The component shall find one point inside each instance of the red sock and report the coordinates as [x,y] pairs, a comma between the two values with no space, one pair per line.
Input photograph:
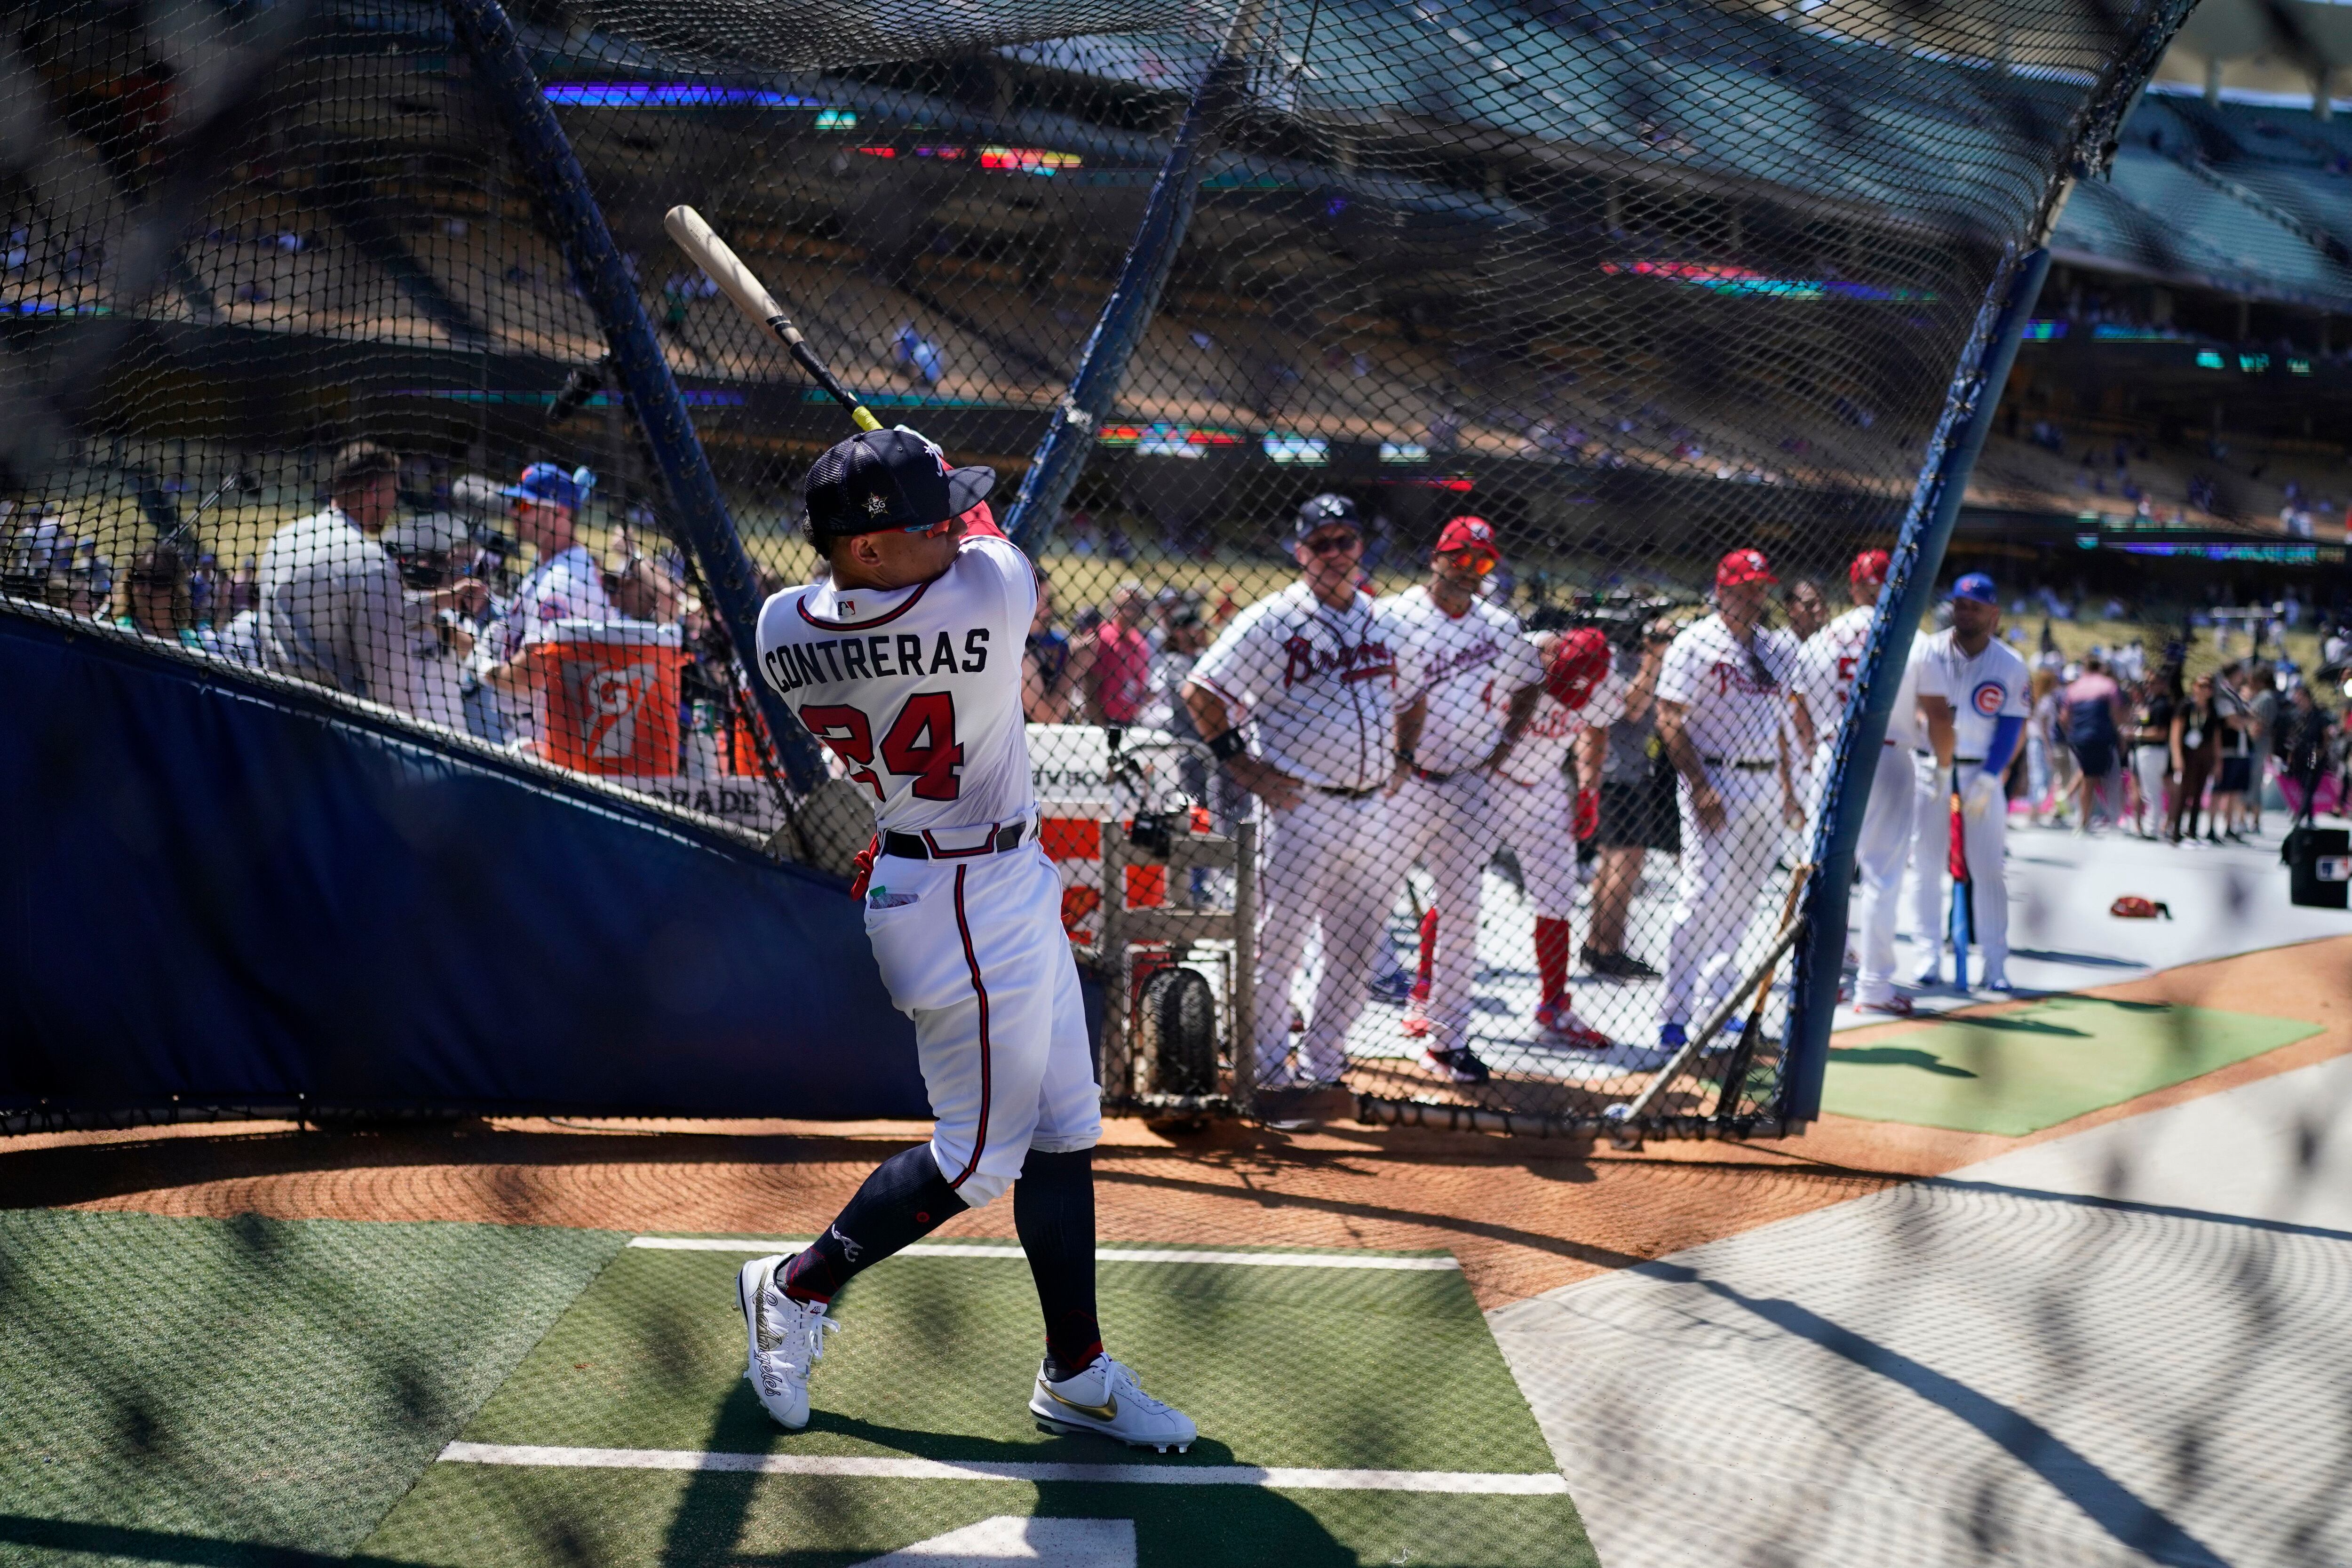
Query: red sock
[1552,958]
[1428,947]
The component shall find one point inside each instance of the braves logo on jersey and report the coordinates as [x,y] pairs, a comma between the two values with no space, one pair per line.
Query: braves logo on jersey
[1988,697]
[1366,660]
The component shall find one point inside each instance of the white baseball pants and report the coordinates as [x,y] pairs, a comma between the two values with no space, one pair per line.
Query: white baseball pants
[976,956]
[1538,822]
[1986,842]
[1881,855]
[1721,875]
[1451,828]
[1333,861]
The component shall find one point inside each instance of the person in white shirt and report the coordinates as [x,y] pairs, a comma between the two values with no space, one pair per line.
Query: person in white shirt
[1971,698]
[1721,694]
[333,609]
[1827,668]
[431,550]
[1297,699]
[1468,679]
[567,584]
[907,664]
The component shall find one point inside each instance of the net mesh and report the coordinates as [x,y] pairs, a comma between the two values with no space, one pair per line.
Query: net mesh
[1637,287]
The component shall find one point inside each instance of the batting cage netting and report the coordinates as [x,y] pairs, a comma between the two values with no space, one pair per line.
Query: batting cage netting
[1443,434]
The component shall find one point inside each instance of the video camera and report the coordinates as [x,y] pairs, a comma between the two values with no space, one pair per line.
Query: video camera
[1624,618]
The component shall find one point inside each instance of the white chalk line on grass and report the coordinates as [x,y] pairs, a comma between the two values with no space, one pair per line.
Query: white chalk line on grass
[1545,1483]
[1102,1255]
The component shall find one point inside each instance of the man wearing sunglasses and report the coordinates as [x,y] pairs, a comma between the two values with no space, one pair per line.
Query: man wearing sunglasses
[1469,680]
[1297,700]
[1721,697]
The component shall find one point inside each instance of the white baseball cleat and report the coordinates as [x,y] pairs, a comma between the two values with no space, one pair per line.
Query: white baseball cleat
[1105,1399]
[1560,1025]
[786,1340]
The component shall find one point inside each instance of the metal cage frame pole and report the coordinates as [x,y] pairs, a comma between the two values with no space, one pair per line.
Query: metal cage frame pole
[703,520]
[1134,299]
[1919,557]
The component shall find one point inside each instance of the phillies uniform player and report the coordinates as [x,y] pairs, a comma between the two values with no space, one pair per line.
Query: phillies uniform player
[1971,687]
[1542,810]
[1720,696]
[908,664]
[1824,686]
[1309,674]
[1456,647]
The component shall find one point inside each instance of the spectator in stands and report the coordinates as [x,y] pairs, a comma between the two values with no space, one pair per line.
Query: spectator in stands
[1118,678]
[333,609]
[2153,709]
[1639,809]
[918,354]
[154,598]
[2095,721]
[567,584]
[2197,727]
[1045,663]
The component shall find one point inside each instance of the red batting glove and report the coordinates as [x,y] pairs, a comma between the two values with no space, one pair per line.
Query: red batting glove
[1587,813]
[865,864]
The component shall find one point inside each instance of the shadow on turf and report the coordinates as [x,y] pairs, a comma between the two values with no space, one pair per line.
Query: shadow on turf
[1215,1524]
[1899,1056]
[170,1546]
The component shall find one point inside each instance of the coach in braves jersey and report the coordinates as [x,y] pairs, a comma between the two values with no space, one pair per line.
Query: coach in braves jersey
[1972,704]
[1827,668]
[1455,646]
[1297,699]
[906,663]
[1720,698]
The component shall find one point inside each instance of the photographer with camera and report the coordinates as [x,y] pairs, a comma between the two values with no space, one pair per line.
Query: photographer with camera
[431,551]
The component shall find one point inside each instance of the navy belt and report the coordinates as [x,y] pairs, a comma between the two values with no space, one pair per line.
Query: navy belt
[922,846]
[1742,767]
[1347,794]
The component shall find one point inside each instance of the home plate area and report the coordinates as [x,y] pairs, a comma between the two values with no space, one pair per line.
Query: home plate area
[1353,1408]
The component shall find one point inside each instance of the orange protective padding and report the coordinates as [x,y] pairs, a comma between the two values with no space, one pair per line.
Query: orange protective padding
[1147,887]
[743,759]
[1070,838]
[1078,905]
[611,708]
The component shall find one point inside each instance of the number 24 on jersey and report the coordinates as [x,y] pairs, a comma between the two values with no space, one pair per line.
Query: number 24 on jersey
[920,744]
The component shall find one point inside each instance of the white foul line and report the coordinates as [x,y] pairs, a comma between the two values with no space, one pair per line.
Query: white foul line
[1542,1483]
[1102,1255]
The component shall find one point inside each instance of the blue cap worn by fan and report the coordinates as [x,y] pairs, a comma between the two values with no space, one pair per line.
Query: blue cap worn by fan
[550,486]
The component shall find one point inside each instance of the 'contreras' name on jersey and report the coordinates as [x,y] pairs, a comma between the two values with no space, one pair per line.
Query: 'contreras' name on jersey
[1368,660]
[829,660]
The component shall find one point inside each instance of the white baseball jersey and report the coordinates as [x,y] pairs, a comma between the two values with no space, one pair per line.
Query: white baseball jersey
[917,690]
[1468,666]
[1733,701]
[1903,730]
[1318,685]
[1541,755]
[1982,690]
[1827,666]
[568,585]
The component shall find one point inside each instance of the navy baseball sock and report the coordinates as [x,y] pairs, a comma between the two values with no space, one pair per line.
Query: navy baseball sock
[903,1200]
[1054,1210]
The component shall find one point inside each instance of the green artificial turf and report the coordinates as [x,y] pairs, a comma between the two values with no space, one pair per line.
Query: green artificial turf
[2020,1071]
[227,1392]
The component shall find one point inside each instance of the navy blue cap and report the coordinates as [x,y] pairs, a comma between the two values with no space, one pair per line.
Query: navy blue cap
[1322,511]
[881,480]
[1976,585]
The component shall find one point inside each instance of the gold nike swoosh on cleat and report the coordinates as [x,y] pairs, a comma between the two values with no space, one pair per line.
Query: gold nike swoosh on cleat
[1107,1411]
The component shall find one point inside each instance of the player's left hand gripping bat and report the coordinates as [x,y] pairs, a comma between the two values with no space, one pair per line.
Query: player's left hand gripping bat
[737,281]
[1963,908]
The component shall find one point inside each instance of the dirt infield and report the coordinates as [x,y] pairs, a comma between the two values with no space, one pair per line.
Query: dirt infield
[1522,1215]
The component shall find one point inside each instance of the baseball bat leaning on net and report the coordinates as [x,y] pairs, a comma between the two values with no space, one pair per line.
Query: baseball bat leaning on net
[738,282]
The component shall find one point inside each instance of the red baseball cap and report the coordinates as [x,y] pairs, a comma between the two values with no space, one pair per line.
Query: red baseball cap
[1743,566]
[1870,566]
[1467,533]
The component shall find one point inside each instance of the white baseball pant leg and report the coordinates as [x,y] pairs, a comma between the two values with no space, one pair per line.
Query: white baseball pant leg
[1883,849]
[979,960]
[1721,875]
[1333,859]
[1931,856]
[1451,828]
[1538,822]
[1985,840]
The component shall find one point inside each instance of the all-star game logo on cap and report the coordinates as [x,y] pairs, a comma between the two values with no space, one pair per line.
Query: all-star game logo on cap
[881,480]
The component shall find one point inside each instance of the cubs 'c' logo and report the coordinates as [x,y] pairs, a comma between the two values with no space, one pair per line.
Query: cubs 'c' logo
[1988,697]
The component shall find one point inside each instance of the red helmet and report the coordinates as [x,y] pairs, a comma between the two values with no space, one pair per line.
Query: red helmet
[1578,661]
[1870,566]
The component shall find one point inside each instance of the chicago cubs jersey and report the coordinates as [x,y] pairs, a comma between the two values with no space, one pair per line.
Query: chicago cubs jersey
[917,690]
[1541,755]
[1459,663]
[1317,684]
[1982,690]
[1733,698]
[1827,666]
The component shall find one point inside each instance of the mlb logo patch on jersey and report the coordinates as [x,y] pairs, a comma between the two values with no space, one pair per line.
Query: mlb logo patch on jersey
[1988,697]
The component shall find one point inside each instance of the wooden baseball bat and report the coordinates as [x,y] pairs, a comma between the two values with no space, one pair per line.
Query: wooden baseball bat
[739,283]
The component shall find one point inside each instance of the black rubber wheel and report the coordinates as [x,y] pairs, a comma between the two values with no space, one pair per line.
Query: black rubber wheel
[1176,1033]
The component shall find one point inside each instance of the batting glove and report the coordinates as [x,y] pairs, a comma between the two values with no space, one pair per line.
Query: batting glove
[1979,794]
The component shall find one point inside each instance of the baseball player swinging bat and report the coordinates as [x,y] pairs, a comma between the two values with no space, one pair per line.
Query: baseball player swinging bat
[1962,908]
[738,282]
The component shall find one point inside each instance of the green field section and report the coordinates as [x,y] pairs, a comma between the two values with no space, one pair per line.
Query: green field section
[2018,1071]
[225,1392]
[1309,1367]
